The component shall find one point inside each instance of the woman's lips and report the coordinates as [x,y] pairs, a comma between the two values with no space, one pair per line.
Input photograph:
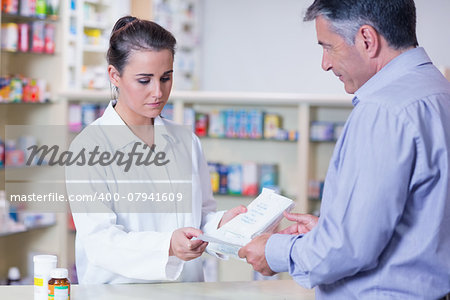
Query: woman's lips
[154,104]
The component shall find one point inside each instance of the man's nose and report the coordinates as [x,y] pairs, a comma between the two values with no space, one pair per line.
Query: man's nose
[326,63]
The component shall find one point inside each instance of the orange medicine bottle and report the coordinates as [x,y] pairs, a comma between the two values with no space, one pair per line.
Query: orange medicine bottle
[59,285]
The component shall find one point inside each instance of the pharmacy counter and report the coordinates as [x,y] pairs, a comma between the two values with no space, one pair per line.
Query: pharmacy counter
[274,289]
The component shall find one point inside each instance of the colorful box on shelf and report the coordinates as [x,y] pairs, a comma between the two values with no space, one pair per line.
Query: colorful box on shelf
[2,154]
[23,89]
[31,8]
[81,115]
[235,124]
[315,189]
[321,131]
[35,37]
[16,152]
[245,179]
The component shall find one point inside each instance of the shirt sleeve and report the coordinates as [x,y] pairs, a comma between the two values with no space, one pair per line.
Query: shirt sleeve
[210,217]
[134,254]
[366,189]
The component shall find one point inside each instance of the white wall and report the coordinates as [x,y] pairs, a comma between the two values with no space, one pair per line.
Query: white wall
[263,45]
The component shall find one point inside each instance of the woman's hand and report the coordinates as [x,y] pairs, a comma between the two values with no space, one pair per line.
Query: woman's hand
[304,223]
[182,245]
[230,214]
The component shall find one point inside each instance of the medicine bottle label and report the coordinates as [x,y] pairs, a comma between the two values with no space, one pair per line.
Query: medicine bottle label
[58,292]
[38,281]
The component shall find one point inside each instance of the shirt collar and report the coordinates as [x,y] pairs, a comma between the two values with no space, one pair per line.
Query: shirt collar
[393,70]
[120,135]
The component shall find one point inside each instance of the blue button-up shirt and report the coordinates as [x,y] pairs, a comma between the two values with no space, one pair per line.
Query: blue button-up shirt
[384,229]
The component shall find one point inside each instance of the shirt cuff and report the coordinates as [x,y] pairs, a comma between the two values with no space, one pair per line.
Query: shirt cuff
[213,220]
[278,251]
[174,267]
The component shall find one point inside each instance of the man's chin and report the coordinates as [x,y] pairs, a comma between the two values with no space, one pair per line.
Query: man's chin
[349,89]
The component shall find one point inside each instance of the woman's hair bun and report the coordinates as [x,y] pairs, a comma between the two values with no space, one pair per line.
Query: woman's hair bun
[122,22]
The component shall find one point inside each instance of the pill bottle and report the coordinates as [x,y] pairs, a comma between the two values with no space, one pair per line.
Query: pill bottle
[43,264]
[59,285]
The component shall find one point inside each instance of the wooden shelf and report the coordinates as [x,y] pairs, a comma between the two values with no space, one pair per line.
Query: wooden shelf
[246,139]
[94,48]
[6,51]
[25,103]
[19,18]
[9,233]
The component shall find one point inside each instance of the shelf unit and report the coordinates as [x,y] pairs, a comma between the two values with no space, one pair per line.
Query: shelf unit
[15,247]
[82,53]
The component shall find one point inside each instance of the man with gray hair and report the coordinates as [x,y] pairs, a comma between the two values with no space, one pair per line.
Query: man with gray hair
[384,226]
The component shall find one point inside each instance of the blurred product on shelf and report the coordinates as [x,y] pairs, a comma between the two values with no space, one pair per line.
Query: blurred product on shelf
[95,77]
[272,123]
[315,189]
[23,39]
[10,36]
[322,131]
[37,40]
[167,112]
[2,153]
[16,152]
[235,179]
[49,38]
[268,177]
[35,37]
[81,115]
[7,223]
[247,124]
[31,8]
[249,179]
[92,36]
[216,124]
[27,8]
[92,14]
[201,124]
[41,8]
[10,6]
[14,218]
[245,179]
[223,179]
[235,124]
[215,178]
[13,276]
[52,7]
[23,89]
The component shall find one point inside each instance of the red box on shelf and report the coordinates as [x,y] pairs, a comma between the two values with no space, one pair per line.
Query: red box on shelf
[14,158]
[37,37]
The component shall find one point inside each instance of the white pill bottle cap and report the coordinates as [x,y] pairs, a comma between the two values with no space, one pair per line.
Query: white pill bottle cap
[59,273]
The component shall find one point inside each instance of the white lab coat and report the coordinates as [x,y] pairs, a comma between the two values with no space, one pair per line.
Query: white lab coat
[122,247]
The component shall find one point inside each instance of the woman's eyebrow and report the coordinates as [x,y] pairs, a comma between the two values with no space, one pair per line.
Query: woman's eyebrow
[151,74]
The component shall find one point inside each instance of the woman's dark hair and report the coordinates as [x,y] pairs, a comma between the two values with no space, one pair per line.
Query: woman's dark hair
[130,33]
[395,20]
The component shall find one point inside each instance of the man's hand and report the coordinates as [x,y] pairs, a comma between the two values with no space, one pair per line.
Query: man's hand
[182,245]
[231,214]
[304,223]
[254,252]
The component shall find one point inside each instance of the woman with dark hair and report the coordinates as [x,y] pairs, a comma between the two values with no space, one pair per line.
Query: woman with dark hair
[142,235]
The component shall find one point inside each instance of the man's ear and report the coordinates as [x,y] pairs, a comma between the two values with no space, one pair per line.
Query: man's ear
[368,40]
[114,76]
